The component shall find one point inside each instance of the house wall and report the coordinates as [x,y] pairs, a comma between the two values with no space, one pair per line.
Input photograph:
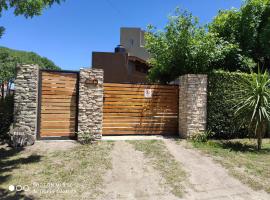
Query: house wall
[114,66]
[117,68]
[133,40]
[135,76]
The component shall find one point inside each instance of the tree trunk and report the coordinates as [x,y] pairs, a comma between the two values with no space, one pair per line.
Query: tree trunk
[260,134]
[259,142]
[8,89]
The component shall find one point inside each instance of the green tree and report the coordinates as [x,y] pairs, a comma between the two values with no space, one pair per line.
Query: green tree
[7,71]
[226,24]
[252,99]
[186,47]
[27,8]
[9,59]
[248,27]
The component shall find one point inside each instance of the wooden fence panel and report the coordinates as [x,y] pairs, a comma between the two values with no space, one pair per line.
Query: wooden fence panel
[128,110]
[58,104]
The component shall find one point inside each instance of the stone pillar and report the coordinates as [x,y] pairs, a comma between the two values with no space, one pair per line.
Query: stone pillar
[192,104]
[90,116]
[26,97]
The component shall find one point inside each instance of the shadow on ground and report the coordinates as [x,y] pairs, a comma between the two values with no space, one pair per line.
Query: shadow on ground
[10,161]
[243,147]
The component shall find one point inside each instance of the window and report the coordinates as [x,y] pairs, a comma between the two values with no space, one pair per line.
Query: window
[141,69]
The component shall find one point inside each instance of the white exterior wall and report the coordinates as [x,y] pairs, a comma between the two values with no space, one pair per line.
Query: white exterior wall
[133,40]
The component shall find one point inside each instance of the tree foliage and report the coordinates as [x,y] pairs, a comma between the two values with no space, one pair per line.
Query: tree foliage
[27,8]
[248,27]
[186,47]
[9,59]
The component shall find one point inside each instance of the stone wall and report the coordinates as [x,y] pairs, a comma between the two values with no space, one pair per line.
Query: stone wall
[26,97]
[192,104]
[91,102]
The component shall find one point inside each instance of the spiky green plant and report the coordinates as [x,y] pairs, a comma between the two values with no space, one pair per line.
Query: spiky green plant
[253,103]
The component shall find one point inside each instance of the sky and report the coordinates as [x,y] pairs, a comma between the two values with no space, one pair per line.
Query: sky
[68,33]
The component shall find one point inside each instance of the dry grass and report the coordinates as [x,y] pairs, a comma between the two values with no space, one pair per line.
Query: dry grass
[243,161]
[163,161]
[75,173]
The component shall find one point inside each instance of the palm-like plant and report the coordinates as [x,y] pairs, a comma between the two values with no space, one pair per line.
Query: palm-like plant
[253,103]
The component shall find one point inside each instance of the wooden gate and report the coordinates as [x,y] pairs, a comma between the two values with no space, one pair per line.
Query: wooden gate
[58,100]
[140,109]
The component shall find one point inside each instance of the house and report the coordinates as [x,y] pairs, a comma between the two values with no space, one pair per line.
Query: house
[128,63]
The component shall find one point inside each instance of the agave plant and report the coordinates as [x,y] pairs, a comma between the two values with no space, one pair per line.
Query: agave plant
[253,103]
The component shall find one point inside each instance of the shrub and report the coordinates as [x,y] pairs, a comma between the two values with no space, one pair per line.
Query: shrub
[201,136]
[6,116]
[220,107]
[86,137]
[253,106]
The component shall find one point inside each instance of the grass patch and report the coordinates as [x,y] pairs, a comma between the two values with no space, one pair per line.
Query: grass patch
[164,162]
[75,173]
[242,160]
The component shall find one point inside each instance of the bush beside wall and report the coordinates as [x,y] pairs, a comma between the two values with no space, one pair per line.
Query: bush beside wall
[220,113]
[6,116]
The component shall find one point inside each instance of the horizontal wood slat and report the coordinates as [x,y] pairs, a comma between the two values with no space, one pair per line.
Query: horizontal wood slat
[126,111]
[58,104]
[67,93]
[60,80]
[59,89]
[139,132]
[128,101]
[57,119]
[141,96]
[121,85]
[66,116]
[149,114]
[58,99]
[113,120]
[140,125]
[139,110]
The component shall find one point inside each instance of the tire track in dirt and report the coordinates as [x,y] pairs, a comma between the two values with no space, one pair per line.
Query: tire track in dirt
[132,177]
[209,180]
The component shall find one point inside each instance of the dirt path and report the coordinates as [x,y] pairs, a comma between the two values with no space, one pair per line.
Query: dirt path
[132,177]
[210,180]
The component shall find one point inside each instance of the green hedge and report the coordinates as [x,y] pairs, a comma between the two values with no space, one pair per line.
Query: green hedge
[220,113]
[6,116]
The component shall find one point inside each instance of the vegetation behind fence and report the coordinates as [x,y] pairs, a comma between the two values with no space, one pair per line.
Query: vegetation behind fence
[220,113]
[6,116]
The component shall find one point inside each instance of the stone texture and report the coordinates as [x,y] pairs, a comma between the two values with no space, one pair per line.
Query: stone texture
[192,104]
[21,136]
[90,102]
[26,97]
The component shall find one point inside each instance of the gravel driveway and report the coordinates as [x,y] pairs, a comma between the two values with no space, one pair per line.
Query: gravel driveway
[132,177]
[210,180]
